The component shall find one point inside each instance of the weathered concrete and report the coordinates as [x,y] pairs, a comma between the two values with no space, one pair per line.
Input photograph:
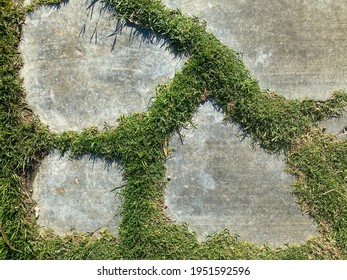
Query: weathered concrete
[77,194]
[293,47]
[337,126]
[217,181]
[73,77]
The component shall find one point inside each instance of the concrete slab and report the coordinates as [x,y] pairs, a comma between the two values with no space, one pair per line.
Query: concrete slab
[337,126]
[217,181]
[77,194]
[77,75]
[296,48]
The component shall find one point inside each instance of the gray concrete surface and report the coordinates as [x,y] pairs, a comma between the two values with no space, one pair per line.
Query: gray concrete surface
[293,47]
[77,194]
[217,181]
[73,77]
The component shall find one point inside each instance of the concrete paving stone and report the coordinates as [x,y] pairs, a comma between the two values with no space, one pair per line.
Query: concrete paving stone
[293,47]
[77,194]
[217,181]
[77,75]
[337,126]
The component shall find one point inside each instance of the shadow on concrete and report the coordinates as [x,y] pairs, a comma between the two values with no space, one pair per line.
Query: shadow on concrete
[109,164]
[240,128]
[56,6]
[144,35]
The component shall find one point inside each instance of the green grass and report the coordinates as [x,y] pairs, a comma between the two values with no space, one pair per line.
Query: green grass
[21,144]
[213,72]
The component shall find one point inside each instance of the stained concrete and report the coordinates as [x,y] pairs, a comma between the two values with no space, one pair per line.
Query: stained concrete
[77,194]
[78,73]
[217,181]
[293,47]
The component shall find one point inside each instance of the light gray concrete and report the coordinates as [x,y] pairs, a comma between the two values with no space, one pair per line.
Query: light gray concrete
[217,181]
[74,79]
[296,48]
[337,126]
[77,194]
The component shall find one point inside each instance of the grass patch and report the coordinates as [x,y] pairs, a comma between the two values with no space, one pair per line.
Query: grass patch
[319,162]
[214,72]
[22,141]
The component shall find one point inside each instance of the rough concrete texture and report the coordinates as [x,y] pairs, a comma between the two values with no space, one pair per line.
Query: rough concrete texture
[337,126]
[217,181]
[77,194]
[77,75]
[293,47]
